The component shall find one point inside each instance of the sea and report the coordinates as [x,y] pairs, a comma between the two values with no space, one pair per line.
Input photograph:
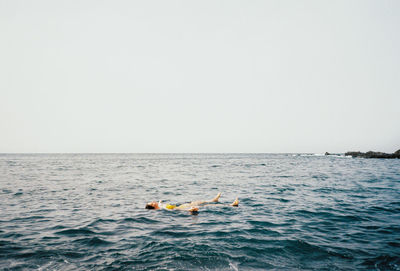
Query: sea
[296,212]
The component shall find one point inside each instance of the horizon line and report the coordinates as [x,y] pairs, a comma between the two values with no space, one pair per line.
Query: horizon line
[168,153]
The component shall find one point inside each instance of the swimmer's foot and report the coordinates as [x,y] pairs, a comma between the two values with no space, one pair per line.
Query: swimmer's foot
[216,198]
[235,203]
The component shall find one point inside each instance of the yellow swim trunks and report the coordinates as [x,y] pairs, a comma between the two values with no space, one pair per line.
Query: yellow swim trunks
[169,206]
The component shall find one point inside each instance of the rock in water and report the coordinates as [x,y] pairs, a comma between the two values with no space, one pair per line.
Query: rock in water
[372,154]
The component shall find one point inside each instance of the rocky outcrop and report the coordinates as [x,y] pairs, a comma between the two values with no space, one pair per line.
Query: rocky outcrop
[335,154]
[372,154]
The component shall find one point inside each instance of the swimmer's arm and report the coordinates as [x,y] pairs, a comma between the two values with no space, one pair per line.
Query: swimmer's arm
[185,206]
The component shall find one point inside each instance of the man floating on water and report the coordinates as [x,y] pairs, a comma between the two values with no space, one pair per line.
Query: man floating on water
[192,207]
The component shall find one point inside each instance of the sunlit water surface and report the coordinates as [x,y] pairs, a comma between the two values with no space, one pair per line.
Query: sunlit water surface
[86,211]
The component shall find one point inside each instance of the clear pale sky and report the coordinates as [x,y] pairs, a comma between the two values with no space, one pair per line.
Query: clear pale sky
[199,76]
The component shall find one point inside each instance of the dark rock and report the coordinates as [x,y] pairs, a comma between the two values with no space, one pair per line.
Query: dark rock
[372,154]
[353,153]
[336,154]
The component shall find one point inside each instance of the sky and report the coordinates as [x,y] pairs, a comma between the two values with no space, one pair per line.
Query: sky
[199,76]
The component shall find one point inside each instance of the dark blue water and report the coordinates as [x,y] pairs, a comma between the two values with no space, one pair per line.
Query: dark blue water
[86,211]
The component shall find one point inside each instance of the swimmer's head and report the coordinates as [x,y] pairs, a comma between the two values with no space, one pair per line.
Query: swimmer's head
[152,205]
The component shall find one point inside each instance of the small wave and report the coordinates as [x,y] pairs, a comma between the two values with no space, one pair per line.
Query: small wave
[256,176]
[9,247]
[383,262]
[13,235]
[320,177]
[303,247]
[383,209]
[394,244]
[93,242]
[263,223]
[390,230]
[283,176]
[142,219]
[329,215]
[45,238]
[340,156]
[48,254]
[58,227]
[173,233]
[263,231]
[75,232]
[11,163]
[29,218]
[101,221]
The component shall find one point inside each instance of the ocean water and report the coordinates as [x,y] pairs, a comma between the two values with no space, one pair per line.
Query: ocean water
[297,212]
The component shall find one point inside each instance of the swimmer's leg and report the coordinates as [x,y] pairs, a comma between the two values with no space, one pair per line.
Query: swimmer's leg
[201,202]
[235,203]
[216,198]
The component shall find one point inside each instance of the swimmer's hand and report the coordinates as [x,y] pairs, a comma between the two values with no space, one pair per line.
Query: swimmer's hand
[194,210]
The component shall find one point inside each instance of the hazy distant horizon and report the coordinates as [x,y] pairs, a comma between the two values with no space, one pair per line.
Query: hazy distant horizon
[183,153]
[199,77]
